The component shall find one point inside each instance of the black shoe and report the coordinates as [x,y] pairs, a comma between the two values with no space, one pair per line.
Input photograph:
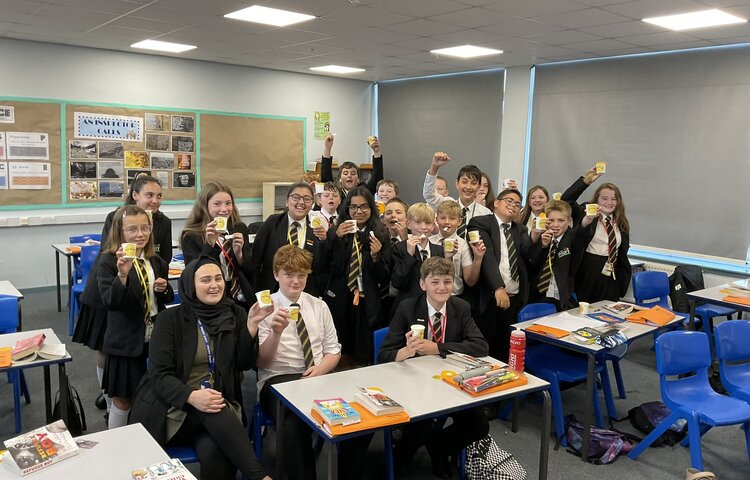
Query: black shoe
[490,411]
[101,402]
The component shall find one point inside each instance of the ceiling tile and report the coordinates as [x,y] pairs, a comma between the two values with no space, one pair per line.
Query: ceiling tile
[564,37]
[472,17]
[655,40]
[599,45]
[469,36]
[654,8]
[370,17]
[534,8]
[623,29]
[522,28]
[422,26]
[582,18]
[422,8]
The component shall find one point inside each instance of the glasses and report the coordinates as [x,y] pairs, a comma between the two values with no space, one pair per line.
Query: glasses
[361,208]
[510,202]
[145,229]
[299,198]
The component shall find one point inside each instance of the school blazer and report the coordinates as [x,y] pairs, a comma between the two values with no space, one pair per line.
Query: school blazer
[461,333]
[490,278]
[564,268]
[171,356]
[326,175]
[571,197]
[162,234]
[623,269]
[404,269]
[272,236]
[125,305]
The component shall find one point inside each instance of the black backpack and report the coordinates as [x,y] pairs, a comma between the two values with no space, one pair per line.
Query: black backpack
[646,416]
[76,416]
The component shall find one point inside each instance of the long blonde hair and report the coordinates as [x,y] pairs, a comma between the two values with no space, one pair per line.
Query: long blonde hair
[199,217]
[117,236]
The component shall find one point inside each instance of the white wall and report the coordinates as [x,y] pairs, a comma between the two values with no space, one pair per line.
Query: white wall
[515,119]
[40,70]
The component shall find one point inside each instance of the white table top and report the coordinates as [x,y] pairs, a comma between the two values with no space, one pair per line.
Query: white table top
[63,248]
[10,339]
[7,288]
[715,295]
[410,383]
[119,452]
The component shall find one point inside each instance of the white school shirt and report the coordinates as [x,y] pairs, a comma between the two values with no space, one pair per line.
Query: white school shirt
[461,259]
[434,199]
[289,357]
[151,295]
[301,230]
[553,291]
[511,286]
[599,244]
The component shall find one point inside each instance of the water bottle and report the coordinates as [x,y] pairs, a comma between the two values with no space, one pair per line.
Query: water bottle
[517,350]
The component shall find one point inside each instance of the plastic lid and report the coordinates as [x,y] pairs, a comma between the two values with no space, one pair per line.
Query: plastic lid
[517,333]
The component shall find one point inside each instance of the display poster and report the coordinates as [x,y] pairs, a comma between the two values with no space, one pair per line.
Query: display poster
[29,176]
[7,114]
[27,146]
[322,125]
[98,126]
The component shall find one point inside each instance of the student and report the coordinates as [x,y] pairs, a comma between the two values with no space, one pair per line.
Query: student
[330,200]
[395,219]
[574,191]
[449,328]
[231,249]
[133,290]
[554,259]
[504,284]
[358,271]
[198,351]
[349,175]
[408,256]
[386,190]
[536,200]
[485,195]
[466,257]
[284,355]
[145,192]
[441,186]
[291,227]
[467,182]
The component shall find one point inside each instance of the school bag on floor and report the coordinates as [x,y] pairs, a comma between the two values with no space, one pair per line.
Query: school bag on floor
[486,461]
[604,445]
[647,416]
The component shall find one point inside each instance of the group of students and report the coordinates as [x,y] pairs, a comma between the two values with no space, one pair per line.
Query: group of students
[463,268]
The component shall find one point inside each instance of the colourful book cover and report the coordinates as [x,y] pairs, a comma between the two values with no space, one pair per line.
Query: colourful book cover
[28,346]
[605,317]
[39,448]
[336,411]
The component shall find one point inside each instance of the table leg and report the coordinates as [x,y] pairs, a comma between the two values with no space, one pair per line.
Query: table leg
[70,278]
[388,447]
[280,413]
[62,383]
[544,447]
[47,394]
[57,276]
[588,414]
[333,461]
[514,415]
[20,317]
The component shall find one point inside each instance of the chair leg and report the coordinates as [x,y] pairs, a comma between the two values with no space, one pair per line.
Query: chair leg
[746,428]
[462,464]
[704,428]
[655,433]
[257,436]
[694,434]
[557,410]
[618,379]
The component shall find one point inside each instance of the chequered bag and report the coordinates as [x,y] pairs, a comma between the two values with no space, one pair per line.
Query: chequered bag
[486,461]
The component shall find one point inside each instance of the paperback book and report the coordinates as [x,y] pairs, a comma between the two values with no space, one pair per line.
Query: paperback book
[171,469]
[28,346]
[377,402]
[620,308]
[336,411]
[39,448]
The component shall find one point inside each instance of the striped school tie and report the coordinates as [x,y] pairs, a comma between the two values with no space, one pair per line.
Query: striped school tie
[354,266]
[512,253]
[546,276]
[461,230]
[611,241]
[294,234]
[437,327]
[304,337]
[423,255]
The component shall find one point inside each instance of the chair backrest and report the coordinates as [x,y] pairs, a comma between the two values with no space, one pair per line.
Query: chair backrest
[536,310]
[86,236]
[88,257]
[732,340]
[682,352]
[377,339]
[8,314]
[651,289]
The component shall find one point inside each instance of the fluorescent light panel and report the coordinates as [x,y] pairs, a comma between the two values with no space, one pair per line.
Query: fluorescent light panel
[466,51]
[700,19]
[163,46]
[269,16]
[337,69]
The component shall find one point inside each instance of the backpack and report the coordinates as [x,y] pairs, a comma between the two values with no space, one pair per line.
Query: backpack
[486,461]
[604,445]
[646,416]
[76,416]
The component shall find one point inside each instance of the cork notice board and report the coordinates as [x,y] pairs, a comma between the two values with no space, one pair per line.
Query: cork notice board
[243,152]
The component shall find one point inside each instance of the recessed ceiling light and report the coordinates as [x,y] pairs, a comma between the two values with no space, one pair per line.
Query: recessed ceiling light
[700,19]
[337,69]
[466,51]
[269,16]
[163,46]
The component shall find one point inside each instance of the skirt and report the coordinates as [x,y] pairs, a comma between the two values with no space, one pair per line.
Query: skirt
[90,327]
[356,334]
[591,284]
[123,374]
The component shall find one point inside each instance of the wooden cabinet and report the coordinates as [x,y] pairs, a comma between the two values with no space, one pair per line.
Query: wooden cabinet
[274,197]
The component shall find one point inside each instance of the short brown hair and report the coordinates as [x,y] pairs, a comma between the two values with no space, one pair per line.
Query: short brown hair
[436,266]
[558,206]
[449,208]
[398,200]
[388,181]
[292,259]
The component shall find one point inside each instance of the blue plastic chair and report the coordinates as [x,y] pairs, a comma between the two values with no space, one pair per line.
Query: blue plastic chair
[692,398]
[377,339]
[88,256]
[183,454]
[77,274]
[559,366]
[651,289]
[732,347]
[9,324]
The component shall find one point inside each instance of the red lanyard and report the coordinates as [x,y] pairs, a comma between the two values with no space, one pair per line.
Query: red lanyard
[230,264]
[443,323]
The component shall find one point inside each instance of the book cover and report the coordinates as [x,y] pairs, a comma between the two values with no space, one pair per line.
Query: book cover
[40,448]
[52,351]
[586,334]
[336,411]
[620,308]
[5,357]
[28,346]
[656,316]
[171,469]
[377,402]
[605,317]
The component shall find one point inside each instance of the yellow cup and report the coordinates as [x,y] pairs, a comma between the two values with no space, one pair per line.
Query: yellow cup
[449,244]
[591,208]
[130,249]
[473,236]
[221,224]
[294,314]
[264,298]
[601,167]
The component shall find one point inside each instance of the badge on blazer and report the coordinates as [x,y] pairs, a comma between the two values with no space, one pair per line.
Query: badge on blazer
[563,253]
[309,243]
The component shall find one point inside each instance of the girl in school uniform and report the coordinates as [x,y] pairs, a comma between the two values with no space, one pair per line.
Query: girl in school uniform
[230,247]
[536,199]
[485,195]
[134,290]
[358,271]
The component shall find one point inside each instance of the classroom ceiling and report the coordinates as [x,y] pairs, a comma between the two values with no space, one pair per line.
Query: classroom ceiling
[389,38]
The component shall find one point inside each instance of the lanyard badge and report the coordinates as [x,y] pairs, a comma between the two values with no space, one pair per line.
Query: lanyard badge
[209,383]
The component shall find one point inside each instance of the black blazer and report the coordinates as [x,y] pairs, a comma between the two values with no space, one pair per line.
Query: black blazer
[571,197]
[461,333]
[490,278]
[125,305]
[171,356]
[271,237]
[326,175]
[162,234]
[564,268]
[623,269]
[404,269]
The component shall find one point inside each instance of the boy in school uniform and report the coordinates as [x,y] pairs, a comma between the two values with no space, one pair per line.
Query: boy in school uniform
[554,258]
[291,349]
[349,174]
[394,219]
[290,227]
[448,327]
[441,186]
[468,182]
[386,190]
[330,200]
[504,285]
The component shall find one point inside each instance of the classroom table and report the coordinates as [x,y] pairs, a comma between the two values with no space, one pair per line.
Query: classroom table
[118,453]
[7,288]
[62,249]
[715,295]
[633,332]
[10,339]
[411,384]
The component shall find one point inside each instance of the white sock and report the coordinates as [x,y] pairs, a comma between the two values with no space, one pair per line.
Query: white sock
[117,417]
[100,375]
[108,399]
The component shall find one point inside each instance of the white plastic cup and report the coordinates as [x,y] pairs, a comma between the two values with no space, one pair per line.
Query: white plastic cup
[264,298]
[474,236]
[417,331]
[583,307]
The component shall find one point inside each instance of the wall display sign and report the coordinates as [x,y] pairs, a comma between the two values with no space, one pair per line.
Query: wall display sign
[7,114]
[322,124]
[98,126]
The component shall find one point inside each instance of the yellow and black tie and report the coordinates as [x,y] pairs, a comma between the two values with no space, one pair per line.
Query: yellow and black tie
[546,276]
[512,253]
[304,338]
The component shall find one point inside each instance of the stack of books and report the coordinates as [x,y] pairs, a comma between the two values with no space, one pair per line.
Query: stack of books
[39,448]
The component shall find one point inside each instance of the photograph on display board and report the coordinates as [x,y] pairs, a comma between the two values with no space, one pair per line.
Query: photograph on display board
[157,122]
[155,141]
[183,144]
[133,173]
[182,123]
[112,150]
[111,170]
[2,145]
[184,161]
[82,149]
[82,169]
[136,160]
[111,189]
[83,190]
[183,180]
[162,161]
[163,178]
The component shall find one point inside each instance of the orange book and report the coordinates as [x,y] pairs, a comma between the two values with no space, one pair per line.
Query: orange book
[369,421]
[74,249]
[5,357]
[736,299]
[548,331]
[656,316]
